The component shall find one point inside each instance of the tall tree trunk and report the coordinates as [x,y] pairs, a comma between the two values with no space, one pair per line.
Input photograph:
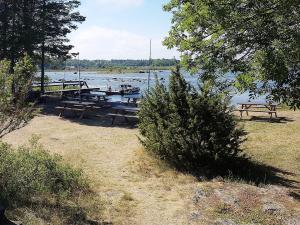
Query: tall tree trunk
[43,48]
[43,68]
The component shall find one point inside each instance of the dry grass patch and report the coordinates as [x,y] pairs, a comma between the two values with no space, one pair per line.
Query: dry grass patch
[277,145]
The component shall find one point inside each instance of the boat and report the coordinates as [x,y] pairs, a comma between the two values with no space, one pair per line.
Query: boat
[127,89]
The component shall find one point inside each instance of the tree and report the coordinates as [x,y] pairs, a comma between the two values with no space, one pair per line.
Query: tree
[18,29]
[57,20]
[187,128]
[38,28]
[14,108]
[257,40]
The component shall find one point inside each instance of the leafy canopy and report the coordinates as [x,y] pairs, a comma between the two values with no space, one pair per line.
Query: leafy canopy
[258,40]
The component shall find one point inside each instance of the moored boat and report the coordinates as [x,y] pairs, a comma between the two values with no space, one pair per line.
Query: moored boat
[127,89]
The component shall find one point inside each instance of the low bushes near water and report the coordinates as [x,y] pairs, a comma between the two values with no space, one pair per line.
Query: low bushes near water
[189,129]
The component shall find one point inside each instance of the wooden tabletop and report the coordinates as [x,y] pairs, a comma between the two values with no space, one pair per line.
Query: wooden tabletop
[258,103]
[94,94]
[78,103]
[126,108]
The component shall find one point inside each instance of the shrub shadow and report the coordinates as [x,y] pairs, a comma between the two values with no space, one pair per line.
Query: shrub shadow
[243,169]
[282,120]
[73,213]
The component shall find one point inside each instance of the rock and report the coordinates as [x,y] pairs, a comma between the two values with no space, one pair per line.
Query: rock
[199,195]
[195,216]
[293,221]
[273,208]
[227,197]
[225,222]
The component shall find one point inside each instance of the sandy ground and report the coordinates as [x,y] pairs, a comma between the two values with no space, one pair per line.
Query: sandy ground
[111,158]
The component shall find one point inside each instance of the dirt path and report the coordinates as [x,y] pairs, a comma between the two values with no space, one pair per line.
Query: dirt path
[135,191]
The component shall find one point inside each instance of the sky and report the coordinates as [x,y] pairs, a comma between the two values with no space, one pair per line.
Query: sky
[122,29]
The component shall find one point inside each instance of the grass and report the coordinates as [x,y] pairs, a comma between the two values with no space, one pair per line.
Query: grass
[131,187]
[276,144]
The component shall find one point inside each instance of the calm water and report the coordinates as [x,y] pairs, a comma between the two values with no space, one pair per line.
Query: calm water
[104,81]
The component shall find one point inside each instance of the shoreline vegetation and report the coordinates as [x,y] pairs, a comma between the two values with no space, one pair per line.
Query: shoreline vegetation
[111,66]
[119,70]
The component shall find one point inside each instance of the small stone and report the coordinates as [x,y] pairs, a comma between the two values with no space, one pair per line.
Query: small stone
[293,221]
[199,195]
[227,197]
[195,216]
[273,208]
[225,222]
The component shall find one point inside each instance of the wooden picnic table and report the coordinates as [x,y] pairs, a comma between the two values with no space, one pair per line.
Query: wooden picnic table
[132,98]
[101,97]
[123,108]
[267,107]
[125,112]
[77,106]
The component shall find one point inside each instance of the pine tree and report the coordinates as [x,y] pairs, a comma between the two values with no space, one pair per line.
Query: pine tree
[188,128]
[57,20]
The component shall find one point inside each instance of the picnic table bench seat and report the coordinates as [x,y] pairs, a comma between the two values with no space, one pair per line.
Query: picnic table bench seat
[73,109]
[258,111]
[125,116]
[74,106]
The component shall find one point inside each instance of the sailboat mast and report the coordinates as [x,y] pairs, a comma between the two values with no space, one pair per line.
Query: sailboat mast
[149,74]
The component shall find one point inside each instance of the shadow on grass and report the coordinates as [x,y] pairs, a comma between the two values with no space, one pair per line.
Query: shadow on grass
[98,117]
[268,119]
[245,170]
[69,213]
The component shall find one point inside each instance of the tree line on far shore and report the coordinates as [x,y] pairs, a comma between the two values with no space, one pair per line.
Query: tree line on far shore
[58,64]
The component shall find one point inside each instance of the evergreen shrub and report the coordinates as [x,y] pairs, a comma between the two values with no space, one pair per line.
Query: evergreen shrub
[189,128]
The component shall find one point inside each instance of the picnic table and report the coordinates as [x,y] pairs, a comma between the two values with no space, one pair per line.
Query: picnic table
[132,98]
[74,106]
[260,107]
[126,112]
[100,96]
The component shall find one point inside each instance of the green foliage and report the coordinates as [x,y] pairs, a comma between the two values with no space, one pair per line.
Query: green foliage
[30,172]
[52,63]
[256,39]
[188,128]
[14,108]
[36,26]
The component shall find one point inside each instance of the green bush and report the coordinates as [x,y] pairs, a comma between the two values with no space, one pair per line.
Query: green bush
[27,173]
[187,128]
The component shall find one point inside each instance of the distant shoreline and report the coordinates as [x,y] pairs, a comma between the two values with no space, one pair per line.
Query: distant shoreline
[140,70]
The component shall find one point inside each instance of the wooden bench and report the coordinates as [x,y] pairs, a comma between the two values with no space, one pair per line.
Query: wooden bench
[125,116]
[258,111]
[73,109]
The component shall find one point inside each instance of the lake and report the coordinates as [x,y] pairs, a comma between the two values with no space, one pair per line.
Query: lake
[104,81]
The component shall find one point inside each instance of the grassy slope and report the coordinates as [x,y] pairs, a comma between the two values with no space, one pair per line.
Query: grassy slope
[134,188]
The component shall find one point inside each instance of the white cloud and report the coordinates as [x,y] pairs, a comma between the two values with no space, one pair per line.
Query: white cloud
[120,3]
[105,43]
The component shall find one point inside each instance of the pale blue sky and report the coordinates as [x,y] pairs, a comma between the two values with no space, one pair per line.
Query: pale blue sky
[122,29]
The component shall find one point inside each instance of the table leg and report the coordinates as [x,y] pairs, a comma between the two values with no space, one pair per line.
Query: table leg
[62,111]
[82,114]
